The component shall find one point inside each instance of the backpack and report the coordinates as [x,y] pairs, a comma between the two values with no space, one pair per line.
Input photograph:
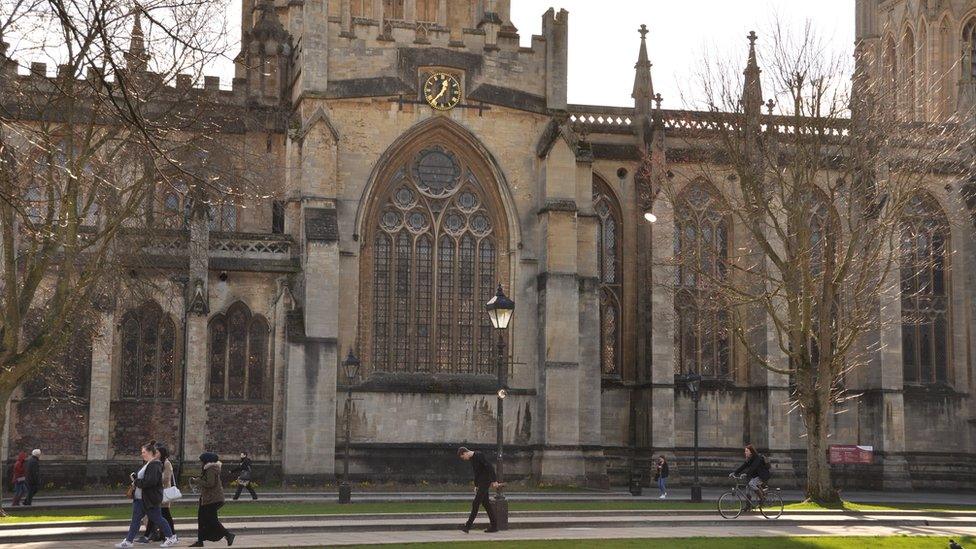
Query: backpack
[764,467]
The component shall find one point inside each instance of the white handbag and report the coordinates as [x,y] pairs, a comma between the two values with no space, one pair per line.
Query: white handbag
[171,494]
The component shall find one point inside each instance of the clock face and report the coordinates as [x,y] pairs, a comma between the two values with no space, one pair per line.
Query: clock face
[442,91]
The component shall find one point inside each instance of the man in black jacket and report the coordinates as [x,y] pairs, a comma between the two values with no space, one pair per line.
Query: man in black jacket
[33,475]
[484,478]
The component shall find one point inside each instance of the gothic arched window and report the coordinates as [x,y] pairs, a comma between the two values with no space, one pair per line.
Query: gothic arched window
[611,277]
[701,249]
[148,353]
[925,292]
[393,9]
[426,10]
[891,69]
[969,49]
[908,77]
[923,93]
[946,75]
[238,355]
[432,261]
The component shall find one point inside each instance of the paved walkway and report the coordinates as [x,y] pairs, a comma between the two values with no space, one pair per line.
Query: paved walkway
[380,538]
[680,494]
[396,526]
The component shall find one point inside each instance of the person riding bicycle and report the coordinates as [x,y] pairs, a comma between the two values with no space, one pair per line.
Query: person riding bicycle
[756,469]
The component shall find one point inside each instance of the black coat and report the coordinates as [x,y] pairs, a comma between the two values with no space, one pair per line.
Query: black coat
[33,471]
[484,473]
[662,470]
[151,484]
[754,467]
[243,470]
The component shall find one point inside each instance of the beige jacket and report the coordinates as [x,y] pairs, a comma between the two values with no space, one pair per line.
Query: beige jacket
[167,478]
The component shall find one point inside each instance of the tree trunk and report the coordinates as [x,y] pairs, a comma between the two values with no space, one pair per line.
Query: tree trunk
[820,488]
[4,399]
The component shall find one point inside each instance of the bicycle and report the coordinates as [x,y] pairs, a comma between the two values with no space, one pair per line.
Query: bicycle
[731,504]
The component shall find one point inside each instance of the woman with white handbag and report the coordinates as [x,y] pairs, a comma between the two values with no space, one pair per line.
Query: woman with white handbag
[147,497]
[170,494]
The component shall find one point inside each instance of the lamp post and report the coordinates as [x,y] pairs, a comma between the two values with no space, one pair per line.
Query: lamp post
[693,380]
[350,367]
[500,309]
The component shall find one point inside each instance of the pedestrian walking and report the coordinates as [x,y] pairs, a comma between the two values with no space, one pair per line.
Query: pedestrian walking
[484,478]
[244,477]
[209,527]
[153,531]
[661,476]
[147,497]
[33,466]
[19,478]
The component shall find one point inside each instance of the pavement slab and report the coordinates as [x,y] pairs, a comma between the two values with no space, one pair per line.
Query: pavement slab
[649,532]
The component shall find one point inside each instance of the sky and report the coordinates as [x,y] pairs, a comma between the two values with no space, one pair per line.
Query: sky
[603,38]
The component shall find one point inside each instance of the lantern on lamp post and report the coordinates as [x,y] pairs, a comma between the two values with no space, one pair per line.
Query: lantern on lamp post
[692,381]
[500,310]
[350,367]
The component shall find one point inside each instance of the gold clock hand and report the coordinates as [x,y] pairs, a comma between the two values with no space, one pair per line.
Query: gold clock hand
[444,87]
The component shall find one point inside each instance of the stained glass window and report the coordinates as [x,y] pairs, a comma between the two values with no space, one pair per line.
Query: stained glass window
[611,288]
[701,244]
[148,353]
[434,261]
[64,374]
[238,355]
[969,47]
[925,292]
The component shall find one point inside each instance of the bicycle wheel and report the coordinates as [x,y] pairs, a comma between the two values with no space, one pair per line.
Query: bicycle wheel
[730,505]
[772,506]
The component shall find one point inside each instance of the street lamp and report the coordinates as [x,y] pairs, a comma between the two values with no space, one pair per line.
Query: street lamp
[500,309]
[692,381]
[350,367]
[650,217]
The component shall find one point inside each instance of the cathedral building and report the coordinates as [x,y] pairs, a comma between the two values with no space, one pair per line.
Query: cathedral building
[421,158]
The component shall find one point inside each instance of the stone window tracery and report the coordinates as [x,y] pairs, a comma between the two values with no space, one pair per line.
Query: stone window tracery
[969,49]
[238,355]
[434,261]
[611,283]
[701,244]
[925,293]
[148,353]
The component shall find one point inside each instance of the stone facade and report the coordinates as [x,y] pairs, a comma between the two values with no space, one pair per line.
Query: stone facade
[392,223]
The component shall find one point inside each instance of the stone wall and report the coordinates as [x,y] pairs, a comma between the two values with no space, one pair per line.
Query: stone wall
[133,423]
[235,427]
[58,428]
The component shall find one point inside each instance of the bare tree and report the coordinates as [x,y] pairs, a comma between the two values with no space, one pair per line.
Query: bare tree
[87,154]
[819,184]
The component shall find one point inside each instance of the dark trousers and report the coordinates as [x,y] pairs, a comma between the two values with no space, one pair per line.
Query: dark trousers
[209,527]
[241,487]
[150,527]
[481,499]
[31,490]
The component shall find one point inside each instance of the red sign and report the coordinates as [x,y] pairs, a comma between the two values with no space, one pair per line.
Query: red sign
[843,455]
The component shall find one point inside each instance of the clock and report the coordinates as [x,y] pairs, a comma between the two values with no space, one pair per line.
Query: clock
[442,91]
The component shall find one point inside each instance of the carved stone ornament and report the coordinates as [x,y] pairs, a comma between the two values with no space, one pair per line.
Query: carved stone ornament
[198,299]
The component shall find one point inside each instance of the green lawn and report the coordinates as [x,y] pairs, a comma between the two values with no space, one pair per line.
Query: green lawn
[188,509]
[895,542]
